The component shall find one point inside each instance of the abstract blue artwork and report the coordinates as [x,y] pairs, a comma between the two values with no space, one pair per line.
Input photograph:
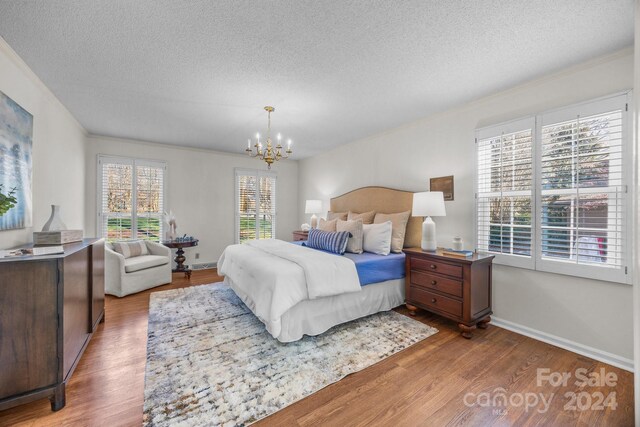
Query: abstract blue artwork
[16,140]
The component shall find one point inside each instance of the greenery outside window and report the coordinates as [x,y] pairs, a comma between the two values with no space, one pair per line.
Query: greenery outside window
[255,204]
[131,198]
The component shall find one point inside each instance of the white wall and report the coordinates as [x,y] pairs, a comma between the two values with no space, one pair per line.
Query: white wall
[200,190]
[58,149]
[587,312]
[636,239]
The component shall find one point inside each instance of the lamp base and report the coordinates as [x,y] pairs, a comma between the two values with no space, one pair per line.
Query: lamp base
[429,242]
[314,221]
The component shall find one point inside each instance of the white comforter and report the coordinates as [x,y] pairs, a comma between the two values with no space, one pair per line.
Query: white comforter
[271,276]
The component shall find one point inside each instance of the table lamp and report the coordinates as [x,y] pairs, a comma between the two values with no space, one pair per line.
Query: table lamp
[428,204]
[313,207]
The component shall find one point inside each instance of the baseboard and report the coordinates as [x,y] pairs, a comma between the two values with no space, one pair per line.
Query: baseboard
[584,350]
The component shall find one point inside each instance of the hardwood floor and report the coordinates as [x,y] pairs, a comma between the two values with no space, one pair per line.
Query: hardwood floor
[424,385]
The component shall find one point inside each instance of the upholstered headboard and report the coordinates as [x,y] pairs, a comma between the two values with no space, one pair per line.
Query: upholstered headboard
[384,200]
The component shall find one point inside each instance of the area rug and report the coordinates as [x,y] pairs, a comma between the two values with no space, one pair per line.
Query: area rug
[210,361]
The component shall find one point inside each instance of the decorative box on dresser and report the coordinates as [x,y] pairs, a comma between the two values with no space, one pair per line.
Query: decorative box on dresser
[299,235]
[454,287]
[50,306]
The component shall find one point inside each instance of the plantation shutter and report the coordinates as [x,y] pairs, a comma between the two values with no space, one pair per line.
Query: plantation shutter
[582,189]
[255,207]
[123,184]
[116,201]
[504,196]
[267,211]
[150,177]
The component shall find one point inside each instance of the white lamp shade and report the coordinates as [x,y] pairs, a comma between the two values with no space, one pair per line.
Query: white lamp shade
[313,206]
[429,203]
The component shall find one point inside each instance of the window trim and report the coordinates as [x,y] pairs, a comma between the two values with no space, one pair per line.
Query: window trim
[236,214]
[623,275]
[134,161]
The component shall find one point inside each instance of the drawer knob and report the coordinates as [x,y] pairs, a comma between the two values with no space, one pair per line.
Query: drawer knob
[433,300]
[434,282]
[433,266]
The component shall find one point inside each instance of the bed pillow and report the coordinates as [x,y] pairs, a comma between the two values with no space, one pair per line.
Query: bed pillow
[354,244]
[327,225]
[131,248]
[366,217]
[377,238]
[331,241]
[336,215]
[398,228]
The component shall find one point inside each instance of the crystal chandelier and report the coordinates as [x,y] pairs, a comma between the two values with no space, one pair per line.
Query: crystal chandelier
[269,153]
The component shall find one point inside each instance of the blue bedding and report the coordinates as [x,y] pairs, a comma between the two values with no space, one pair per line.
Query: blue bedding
[374,268]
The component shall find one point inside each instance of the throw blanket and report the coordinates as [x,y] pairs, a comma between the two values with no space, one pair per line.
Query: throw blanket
[271,276]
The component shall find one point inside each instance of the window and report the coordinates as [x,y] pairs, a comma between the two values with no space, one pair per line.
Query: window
[130,198]
[255,205]
[575,220]
[504,192]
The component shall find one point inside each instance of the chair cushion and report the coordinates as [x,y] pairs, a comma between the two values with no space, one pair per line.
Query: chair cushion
[143,262]
[130,249]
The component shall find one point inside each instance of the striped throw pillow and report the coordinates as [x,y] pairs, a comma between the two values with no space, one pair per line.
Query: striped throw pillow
[331,241]
[131,249]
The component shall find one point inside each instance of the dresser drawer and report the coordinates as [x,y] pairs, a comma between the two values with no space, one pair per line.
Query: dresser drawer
[435,301]
[436,267]
[439,283]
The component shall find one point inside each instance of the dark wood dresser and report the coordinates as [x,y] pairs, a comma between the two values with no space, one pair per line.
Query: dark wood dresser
[454,287]
[49,308]
[299,235]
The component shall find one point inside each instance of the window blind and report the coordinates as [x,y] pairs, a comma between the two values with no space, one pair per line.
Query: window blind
[255,205]
[131,198]
[504,191]
[583,192]
[149,200]
[552,190]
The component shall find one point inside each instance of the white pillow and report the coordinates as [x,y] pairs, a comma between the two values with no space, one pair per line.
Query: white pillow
[377,238]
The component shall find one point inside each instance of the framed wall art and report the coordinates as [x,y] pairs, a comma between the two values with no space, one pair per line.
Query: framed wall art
[16,140]
[444,184]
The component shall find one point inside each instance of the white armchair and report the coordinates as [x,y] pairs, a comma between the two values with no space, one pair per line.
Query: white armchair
[124,276]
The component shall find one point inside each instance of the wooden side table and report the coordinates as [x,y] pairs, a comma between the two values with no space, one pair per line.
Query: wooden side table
[180,258]
[299,235]
[453,287]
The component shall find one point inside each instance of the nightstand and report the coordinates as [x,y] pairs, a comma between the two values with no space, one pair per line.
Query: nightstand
[453,287]
[300,235]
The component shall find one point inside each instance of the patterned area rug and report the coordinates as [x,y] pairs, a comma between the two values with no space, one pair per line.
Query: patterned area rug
[210,361]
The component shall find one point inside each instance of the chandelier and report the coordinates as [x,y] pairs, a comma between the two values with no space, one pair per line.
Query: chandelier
[269,153]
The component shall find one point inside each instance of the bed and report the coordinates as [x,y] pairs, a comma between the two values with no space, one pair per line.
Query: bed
[293,302]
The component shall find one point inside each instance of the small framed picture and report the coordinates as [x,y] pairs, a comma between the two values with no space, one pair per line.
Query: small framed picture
[444,184]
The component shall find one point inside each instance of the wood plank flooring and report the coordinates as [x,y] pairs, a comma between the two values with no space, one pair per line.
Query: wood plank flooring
[424,385]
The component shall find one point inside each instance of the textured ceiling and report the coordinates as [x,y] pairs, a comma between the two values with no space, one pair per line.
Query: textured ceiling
[198,72]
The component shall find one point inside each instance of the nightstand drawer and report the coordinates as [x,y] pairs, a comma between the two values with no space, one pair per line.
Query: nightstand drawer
[436,267]
[436,301]
[300,235]
[439,283]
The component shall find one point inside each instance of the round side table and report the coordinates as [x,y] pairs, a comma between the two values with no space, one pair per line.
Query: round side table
[180,258]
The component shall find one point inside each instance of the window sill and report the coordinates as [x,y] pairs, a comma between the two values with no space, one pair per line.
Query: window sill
[604,274]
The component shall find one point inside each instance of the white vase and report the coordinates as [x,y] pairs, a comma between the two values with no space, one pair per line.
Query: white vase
[54,223]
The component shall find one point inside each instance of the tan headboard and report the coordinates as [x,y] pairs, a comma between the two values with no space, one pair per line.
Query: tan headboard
[384,200]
